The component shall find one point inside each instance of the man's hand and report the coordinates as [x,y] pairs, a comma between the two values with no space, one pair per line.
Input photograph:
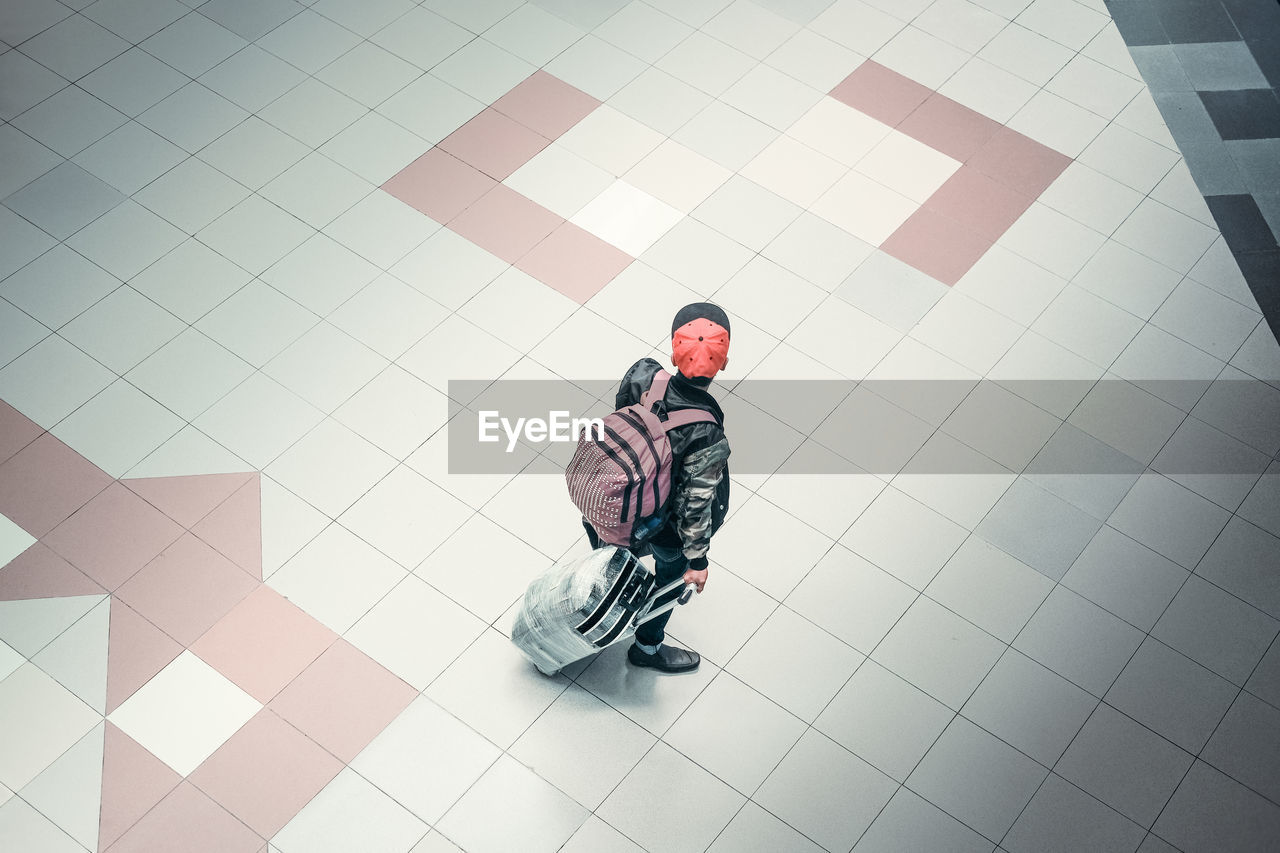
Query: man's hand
[699,578]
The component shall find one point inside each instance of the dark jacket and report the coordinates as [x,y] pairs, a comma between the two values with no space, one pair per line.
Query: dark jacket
[700,472]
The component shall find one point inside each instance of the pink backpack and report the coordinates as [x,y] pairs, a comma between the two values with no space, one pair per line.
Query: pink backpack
[621,482]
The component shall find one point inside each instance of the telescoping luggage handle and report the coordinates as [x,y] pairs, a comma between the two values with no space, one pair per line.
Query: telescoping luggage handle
[644,614]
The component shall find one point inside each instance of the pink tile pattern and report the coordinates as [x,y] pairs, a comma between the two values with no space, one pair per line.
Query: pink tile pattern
[343,700]
[40,573]
[506,223]
[113,536]
[494,144]
[457,184]
[266,773]
[181,558]
[188,820]
[16,431]
[133,782]
[546,104]
[45,482]
[576,260]
[186,589]
[263,643]
[1002,172]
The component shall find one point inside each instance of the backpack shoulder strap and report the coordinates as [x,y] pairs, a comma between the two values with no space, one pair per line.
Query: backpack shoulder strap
[683,417]
[657,389]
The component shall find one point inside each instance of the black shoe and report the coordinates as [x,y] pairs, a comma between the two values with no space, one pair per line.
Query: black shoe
[666,659]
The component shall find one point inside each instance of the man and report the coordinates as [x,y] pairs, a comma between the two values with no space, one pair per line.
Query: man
[700,474]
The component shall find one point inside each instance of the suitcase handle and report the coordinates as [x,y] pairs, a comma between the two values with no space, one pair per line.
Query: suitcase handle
[644,615]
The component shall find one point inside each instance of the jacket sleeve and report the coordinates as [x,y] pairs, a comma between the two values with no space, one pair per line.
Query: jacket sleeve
[695,491]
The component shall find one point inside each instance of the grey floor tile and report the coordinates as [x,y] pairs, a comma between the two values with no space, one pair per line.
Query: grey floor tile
[1243,407]
[904,537]
[64,200]
[1038,528]
[1127,766]
[1125,577]
[977,778]
[826,792]
[727,717]
[1029,707]
[851,598]
[1156,844]
[1002,425]
[577,717]
[884,720]
[1265,681]
[1126,417]
[1257,162]
[768,662]
[910,822]
[1186,117]
[1247,745]
[1063,819]
[1211,463]
[662,777]
[1083,471]
[1216,629]
[939,652]
[1242,561]
[1079,640]
[1172,694]
[1160,68]
[873,433]
[1220,65]
[1169,519]
[1212,813]
[991,589]
[754,830]
[1213,168]
[891,291]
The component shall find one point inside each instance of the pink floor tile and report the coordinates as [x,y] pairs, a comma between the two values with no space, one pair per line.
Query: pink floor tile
[949,127]
[937,245]
[880,93]
[113,536]
[439,185]
[266,773]
[40,573]
[547,104]
[45,482]
[189,821]
[133,781]
[263,643]
[234,528]
[575,262]
[187,499]
[186,589]
[506,223]
[136,651]
[494,144]
[981,202]
[16,431]
[343,700]
[1019,162]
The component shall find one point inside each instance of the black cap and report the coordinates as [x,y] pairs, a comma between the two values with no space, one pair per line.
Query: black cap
[701,311]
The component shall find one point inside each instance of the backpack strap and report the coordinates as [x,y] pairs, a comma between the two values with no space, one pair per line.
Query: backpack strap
[658,390]
[684,417]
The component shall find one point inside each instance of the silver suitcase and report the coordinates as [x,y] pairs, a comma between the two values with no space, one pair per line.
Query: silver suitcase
[583,605]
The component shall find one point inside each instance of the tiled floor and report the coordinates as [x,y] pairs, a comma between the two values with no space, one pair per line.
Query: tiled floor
[244,246]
